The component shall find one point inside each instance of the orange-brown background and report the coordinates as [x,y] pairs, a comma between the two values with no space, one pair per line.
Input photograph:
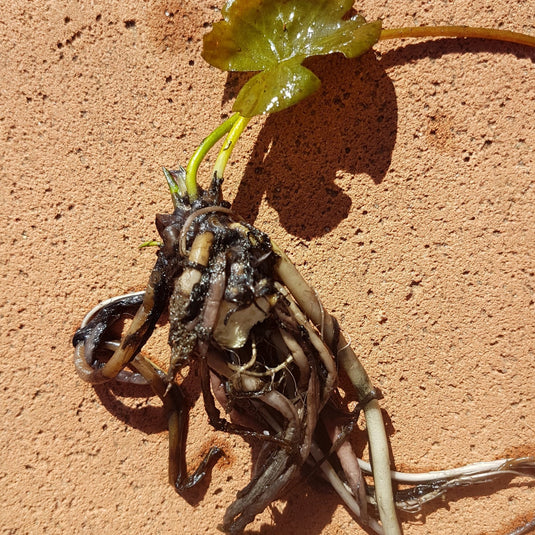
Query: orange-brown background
[404,191]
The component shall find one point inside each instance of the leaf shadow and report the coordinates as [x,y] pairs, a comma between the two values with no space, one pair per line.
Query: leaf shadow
[350,124]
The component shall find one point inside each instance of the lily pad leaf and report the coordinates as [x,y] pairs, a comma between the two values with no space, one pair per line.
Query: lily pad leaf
[276,88]
[275,36]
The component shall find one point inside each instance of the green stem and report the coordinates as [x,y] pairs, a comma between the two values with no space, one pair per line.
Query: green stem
[227,148]
[458,31]
[198,156]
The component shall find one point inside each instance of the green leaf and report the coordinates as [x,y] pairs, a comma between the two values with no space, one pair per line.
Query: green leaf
[275,36]
[275,89]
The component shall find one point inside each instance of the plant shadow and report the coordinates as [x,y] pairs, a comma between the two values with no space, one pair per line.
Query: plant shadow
[349,124]
[442,47]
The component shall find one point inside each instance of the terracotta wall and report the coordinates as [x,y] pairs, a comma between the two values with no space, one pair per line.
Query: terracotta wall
[404,191]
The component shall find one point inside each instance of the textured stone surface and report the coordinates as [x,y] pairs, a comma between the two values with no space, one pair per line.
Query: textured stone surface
[404,191]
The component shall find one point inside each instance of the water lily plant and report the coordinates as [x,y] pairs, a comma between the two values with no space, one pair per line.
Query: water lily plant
[267,351]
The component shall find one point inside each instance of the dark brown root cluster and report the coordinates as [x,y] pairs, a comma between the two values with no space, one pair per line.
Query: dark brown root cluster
[258,354]
[268,354]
